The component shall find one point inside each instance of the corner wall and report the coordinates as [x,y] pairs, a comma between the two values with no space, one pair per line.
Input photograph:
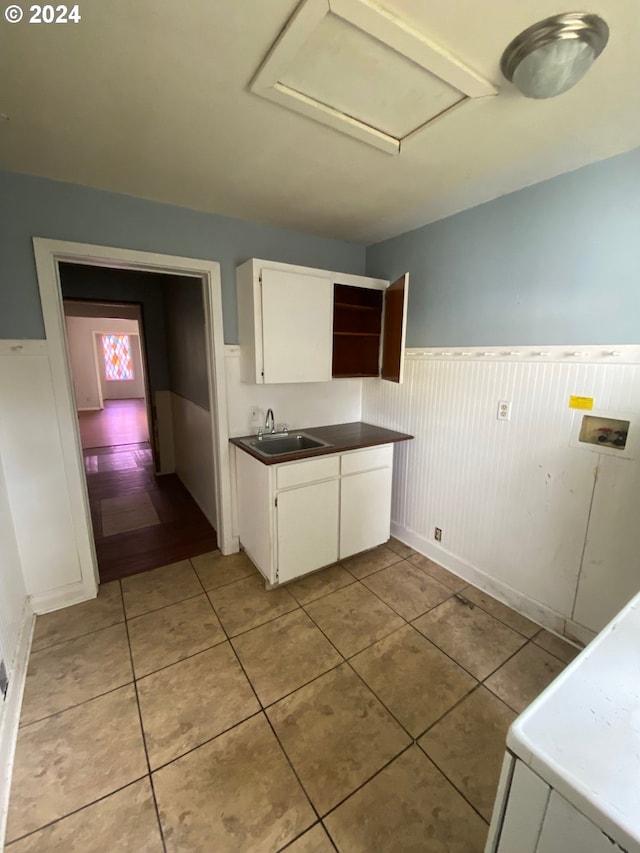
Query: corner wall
[555,263]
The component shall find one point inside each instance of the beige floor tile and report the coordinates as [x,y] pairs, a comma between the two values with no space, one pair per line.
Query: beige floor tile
[468,746]
[315,840]
[320,583]
[70,673]
[439,573]
[410,808]
[159,587]
[236,793]
[125,821]
[284,654]
[214,569]
[469,635]
[524,676]
[246,604]
[61,625]
[353,618]
[129,512]
[414,679]
[192,701]
[165,636]
[556,646]
[371,561]
[400,548]
[336,734]
[72,759]
[505,614]
[407,589]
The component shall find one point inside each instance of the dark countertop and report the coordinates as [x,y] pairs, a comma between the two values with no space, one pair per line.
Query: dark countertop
[341,437]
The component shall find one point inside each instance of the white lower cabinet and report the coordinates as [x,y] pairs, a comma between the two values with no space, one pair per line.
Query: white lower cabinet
[296,517]
[307,523]
[365,511]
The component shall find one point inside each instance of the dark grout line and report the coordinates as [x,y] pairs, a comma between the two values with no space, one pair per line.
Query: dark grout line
[76,811]
[191,749]
[406,748]
[144,744]
[77,704]
[77,637]
[453,785]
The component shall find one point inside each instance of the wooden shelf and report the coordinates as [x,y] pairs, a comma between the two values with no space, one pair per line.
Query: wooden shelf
[357,326]
[358,334]
[375,308]
[356,375]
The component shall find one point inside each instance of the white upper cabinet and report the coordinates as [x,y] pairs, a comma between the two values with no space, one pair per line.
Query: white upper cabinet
[297,324]
[284,324]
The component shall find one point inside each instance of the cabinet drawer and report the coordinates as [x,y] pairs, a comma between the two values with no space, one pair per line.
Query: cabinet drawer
[366,460]
[307,471]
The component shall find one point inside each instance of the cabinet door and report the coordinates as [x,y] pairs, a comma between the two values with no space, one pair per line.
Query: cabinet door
[564,828]
[394,329]
[297,317]
[307,519]
[365,511]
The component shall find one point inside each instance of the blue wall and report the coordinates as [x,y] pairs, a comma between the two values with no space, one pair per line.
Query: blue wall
[556,263]
[37,207]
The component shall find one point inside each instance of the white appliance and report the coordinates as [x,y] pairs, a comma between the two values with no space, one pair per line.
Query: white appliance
[570,780]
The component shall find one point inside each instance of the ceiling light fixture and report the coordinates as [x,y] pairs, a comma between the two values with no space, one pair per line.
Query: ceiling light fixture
[551,56]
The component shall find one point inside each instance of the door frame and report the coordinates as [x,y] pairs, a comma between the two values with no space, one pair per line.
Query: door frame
[48,254]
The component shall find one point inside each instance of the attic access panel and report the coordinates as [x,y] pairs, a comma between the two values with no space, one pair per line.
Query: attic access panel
[357,68]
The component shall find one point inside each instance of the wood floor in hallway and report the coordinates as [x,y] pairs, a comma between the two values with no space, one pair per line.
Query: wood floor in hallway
[120,422]
[178,530]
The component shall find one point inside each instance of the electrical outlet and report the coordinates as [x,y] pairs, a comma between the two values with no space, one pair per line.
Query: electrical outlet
[504,410]
[438,535]
[254,418]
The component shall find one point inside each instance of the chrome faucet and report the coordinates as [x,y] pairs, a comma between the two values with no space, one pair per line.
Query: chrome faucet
[270,423]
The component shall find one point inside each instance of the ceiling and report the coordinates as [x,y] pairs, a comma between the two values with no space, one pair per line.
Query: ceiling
[153,99]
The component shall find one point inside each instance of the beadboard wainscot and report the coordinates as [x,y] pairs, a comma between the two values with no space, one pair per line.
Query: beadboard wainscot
[539,520]
[16,628]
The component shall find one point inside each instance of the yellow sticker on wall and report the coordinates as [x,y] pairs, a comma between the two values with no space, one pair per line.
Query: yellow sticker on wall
[576,402]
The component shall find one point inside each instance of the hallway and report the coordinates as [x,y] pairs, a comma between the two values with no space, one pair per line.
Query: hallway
[139,521]
[120,422]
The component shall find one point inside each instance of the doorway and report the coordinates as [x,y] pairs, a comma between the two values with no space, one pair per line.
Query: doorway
[50,256]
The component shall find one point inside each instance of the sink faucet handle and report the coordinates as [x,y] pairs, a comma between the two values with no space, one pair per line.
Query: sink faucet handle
[284,428]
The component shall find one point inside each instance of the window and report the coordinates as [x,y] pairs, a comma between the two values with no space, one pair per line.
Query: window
[117,357]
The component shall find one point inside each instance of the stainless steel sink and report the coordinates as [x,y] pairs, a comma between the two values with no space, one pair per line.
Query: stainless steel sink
[281,445]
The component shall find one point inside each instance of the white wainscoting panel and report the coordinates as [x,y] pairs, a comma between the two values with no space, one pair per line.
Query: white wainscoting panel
[35,471]
[297,405]
[193,453]
[516,503]
[13,595]
[16,624]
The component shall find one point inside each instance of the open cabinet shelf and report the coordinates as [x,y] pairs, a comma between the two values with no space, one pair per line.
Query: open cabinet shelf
[357,325]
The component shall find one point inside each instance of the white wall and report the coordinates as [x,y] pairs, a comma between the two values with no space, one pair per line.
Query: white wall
[34,469]
[86,370]
[13,595]
[299,406]
[517,503]
[193,453]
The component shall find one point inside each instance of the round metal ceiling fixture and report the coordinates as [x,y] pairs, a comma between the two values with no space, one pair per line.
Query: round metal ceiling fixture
[551,56]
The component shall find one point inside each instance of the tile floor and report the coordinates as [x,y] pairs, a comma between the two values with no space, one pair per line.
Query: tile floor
[188,709]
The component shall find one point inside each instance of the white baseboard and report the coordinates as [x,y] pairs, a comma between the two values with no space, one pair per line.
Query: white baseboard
[74,593]
[90,409]
[10,715]
[528,607]
[576,631]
